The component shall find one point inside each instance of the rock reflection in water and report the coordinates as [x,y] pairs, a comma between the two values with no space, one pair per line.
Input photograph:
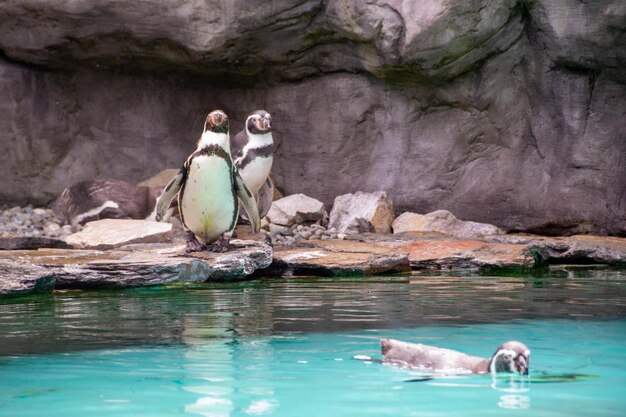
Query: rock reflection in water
[76,320]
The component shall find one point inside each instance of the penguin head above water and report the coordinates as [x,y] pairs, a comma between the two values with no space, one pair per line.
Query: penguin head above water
[216,122]
[259,123]
[512,357]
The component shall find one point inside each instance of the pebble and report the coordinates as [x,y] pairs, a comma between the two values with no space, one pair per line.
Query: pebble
[298,233]
[28,221]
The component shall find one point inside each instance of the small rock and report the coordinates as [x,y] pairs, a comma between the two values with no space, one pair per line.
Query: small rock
[52,229]
[376,208]
[296,209]
[359,225]
[276,229]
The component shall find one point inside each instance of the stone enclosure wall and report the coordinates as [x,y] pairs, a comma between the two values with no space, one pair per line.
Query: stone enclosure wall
[501,111]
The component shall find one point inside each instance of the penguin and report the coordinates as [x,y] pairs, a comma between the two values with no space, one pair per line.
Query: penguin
[208,187]
[510,357]
[252,151]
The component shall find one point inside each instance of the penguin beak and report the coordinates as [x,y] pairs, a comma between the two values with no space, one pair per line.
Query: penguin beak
[522,364]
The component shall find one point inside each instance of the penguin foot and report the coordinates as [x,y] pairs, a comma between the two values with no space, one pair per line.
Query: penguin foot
[193,244]
[220,245]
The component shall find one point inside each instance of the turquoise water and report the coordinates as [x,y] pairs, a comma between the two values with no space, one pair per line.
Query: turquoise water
[286,348]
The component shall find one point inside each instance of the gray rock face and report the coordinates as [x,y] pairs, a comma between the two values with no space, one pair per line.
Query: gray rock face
[500,111]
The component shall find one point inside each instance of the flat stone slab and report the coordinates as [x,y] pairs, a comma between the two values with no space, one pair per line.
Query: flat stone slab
[586,249]
[431,250]
[336,258]
[113,233]
[23,271]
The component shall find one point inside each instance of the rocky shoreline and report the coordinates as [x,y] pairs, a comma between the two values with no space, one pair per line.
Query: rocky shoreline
[359,237]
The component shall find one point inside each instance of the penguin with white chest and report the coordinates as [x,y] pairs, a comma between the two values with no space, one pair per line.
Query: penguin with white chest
[209,187]
[253,150]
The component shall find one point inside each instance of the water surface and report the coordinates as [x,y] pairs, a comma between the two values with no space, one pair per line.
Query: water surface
[286,347]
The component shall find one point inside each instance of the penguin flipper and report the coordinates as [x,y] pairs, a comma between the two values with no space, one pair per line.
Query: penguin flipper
[170,190]
[247,199]
[266,196]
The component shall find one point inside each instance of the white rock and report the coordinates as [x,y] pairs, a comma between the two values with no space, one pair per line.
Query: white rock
[296,209]
[375,208]
[443,221]
[111,233]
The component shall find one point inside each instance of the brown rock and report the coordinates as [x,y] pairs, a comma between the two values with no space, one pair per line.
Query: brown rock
[467,254]
[87,201]
[336,257]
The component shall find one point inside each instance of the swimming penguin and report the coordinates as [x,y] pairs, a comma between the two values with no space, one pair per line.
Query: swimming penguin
[510,357]
[252,151]
[208,186]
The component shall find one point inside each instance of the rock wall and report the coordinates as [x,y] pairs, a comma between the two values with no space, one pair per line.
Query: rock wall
[501,111]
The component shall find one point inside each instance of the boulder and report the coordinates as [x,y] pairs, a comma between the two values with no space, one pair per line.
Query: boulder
[442,221]
[352,212]
[112,233]
[297,209]
[104,199]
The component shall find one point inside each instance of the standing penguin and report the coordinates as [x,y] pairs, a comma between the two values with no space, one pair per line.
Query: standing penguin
[253,150]
[208,186]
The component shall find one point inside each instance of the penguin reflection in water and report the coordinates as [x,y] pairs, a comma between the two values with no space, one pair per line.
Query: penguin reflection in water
[510,357]
[209,187]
